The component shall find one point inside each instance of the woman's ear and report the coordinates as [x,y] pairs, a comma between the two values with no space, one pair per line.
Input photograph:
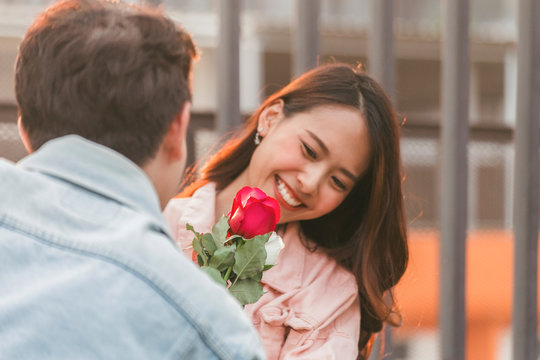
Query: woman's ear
[270,116]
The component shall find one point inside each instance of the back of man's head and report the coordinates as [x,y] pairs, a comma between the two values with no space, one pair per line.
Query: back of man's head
[107,71]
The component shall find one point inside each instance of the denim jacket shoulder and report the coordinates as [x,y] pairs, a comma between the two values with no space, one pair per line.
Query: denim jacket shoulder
[86,274]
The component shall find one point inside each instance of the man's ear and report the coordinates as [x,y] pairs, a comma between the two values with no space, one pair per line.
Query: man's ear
[24,136]
[270,116]
[174,142]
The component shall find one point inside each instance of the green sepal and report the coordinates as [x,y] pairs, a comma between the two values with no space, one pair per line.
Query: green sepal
[234,237]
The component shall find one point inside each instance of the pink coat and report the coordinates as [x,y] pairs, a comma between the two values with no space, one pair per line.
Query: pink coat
[310,309]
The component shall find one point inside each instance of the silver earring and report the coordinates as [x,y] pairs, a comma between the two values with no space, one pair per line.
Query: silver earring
[258,136]
[257,139]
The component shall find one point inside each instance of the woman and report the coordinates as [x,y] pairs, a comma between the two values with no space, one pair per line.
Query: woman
[327,148]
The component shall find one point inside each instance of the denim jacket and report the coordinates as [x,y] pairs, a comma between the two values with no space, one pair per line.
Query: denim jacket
[310,309]
[88,269]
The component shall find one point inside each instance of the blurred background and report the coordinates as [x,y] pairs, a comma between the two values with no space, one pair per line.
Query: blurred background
[266,64]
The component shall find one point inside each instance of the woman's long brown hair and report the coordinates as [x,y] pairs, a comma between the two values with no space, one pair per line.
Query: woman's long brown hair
[367,233]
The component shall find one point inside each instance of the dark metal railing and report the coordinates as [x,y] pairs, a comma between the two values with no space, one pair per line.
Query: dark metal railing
[525,316]
[455,126]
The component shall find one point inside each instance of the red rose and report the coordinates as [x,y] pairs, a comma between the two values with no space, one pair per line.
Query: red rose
[253,213]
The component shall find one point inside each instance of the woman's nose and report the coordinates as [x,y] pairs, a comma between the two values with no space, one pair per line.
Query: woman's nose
[310,179]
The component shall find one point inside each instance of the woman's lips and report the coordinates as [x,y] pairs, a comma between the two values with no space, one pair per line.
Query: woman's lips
[286,194]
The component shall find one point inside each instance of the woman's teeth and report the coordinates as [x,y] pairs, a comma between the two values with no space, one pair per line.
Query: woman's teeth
[289,199]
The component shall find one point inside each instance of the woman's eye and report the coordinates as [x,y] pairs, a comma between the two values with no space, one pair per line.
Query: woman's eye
[309,151]
[339,183]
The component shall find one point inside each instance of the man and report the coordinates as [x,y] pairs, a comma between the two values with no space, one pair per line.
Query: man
[87,265]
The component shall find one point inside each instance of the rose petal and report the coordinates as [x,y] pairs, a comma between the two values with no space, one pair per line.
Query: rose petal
[241,196]
[258,219]
[272,203]
[236,219]
[246,193]
[258,194]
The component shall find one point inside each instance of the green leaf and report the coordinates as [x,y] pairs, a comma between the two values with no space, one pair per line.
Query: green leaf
[223,258]
[197,247]
[214,274]
[257,276]
[208,243]
[246,291]
[250,258]
[190,228]
[220,230]
[234,237]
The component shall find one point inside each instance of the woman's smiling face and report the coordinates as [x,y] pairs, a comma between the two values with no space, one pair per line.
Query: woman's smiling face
[310,161]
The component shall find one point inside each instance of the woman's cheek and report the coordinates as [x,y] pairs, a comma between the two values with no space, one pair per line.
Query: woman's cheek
[331,202]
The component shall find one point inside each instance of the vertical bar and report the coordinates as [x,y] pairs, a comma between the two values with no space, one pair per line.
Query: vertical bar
[382,67]
[455,90]
[306,44]
[381,44]
[228,86]
[526,183]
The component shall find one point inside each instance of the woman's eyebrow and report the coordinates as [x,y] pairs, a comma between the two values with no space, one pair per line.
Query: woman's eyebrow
[319,141]
[326,151]
[349,174]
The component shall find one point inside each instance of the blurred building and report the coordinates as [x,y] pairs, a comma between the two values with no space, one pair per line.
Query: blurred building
[266,65]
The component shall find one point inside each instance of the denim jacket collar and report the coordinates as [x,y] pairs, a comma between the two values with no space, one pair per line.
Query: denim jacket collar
[100,170]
